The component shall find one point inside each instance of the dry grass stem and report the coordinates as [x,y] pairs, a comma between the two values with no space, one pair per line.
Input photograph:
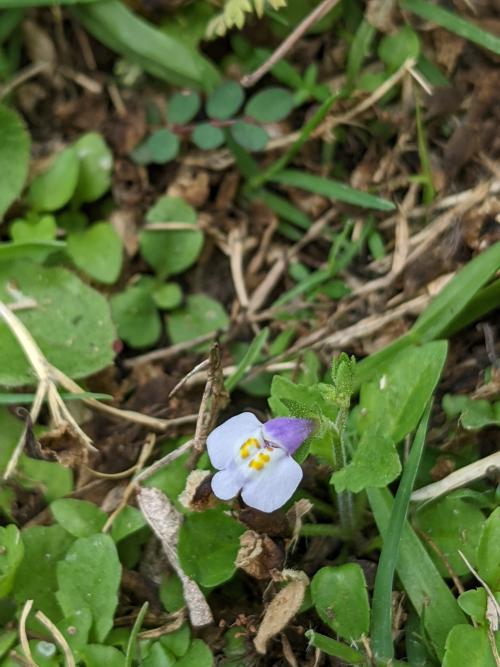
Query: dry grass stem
[166,353]
[58,638]
[23,637]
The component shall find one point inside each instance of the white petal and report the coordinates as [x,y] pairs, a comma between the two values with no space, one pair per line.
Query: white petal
[225,484]
[224,441]
[271,487]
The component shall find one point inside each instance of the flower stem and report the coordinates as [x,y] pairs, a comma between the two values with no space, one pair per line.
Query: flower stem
[344,498]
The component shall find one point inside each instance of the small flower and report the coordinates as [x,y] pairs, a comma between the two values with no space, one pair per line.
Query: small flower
[256,459]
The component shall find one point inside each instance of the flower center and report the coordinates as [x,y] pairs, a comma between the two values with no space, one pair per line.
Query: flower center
[257,454]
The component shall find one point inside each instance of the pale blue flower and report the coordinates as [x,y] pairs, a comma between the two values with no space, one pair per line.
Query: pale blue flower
[256,459]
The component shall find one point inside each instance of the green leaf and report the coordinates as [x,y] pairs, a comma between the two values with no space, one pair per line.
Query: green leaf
[478,414]
[171,252]
[198,654]
[129,521]
[394,49]
[201,315]
[208,545]
[97,251]
[158,657]
[450,21]
[37,251]
[11,556]
[341,599]
[132,648]
[167,296]
[49,478]
[76,627]
[43,229]
[71,323]
[207,137]
[36,577]
[252,137]
[54,187]
[428,593]
[183,107]
[162,146]
[468,646]
[14,157]
[80,518]
[156,52]
[136,316]
[96,166]
[177,641]
[474,602]
[375,464]
[95,655]
[336,649]
[332,189]
[393,402]
[488,552]
[7,4]
[90,576]
[225,101]
[10,432]
[453,525]
[270,105]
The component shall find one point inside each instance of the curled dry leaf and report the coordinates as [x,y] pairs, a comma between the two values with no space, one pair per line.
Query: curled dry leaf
[281,609]
[197,495]
[258,555]
[165,522]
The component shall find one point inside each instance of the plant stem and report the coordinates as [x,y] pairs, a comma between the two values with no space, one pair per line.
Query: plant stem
[344,498]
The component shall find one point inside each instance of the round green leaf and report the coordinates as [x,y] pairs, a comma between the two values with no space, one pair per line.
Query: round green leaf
[453,525]
[177,641]
[71,323]
[89,576]
[488,553]
[171,252]
[163,146]
[341,599]
[129,521]
[468,646]
[96,165]
[208,546]
[251,137]
[198,654]
[80,518]
[200,316]
[225,101]
[394,49]
[167,296]
[141,153]
[270,105]
[14,157]
[136,317]
[183,107]
[97,251]
[95,655]
[54,187]
[11,555]
[76,627]
[207,137]
[43,229]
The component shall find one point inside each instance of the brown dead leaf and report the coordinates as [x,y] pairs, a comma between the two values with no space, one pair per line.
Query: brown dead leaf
[39,44]
[197,495]
[63,445]
[280,612]
[191,184]
[380,14]
[448,48]
[125,223]
[258,555]
[165,522]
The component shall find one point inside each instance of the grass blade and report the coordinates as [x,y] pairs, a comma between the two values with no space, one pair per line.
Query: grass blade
[132,640]
[381,626]
[158,53]
[450,21]
[335,648]
[248,360]
[27,399]
[332,189]
[425,587]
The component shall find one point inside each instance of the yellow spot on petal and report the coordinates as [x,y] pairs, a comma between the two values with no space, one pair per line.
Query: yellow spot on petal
[245,449]
[259,461]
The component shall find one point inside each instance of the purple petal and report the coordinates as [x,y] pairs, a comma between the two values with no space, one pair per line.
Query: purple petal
[224,441]
[288,432]
[272,486]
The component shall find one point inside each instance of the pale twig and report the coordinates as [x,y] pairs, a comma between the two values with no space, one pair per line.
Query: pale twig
[131,486]
[24,75]
[235,252]
[23,637]
[58,637]
[197,369]
[165,353]
[312,18]
[227,371]
[466,475]
[164,461]
[171,226]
